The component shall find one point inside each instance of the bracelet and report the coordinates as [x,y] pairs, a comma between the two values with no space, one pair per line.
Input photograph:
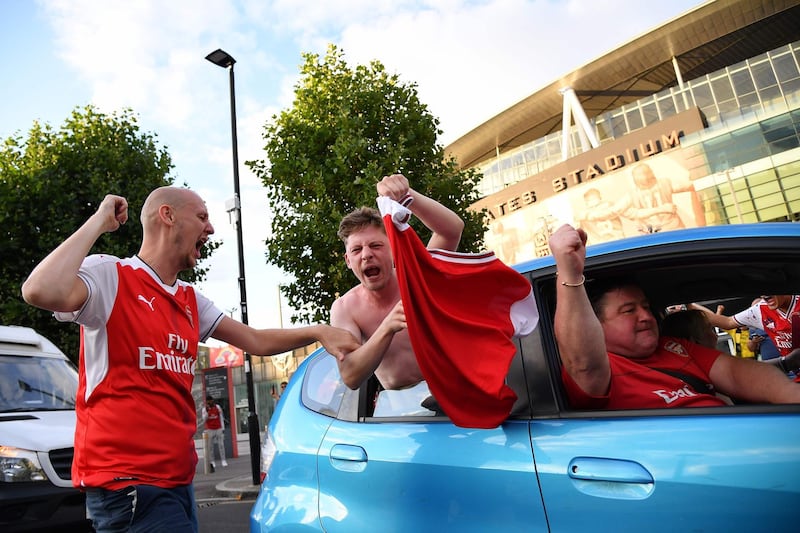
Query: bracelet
[782,364]
[581,282]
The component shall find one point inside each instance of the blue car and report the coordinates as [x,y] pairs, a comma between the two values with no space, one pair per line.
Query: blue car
[331,465]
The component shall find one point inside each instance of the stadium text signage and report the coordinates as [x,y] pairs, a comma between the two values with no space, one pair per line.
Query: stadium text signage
[593,164]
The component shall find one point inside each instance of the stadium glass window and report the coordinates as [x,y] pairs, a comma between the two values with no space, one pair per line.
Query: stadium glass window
[666,106]
[553,148]
[704,98]
[723,91]
[763,75]
[618,125]
[764,185]
[789,171]
[540,149]
[791,90]
[634,118]
[749,102]
[789,176]
[773,212]
[743,83]
[785,67]
[748,145]
[650,112]
[780,133]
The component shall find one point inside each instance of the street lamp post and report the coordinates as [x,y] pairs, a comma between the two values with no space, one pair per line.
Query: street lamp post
[225,60]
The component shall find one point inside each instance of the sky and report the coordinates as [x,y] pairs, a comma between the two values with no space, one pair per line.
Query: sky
[470,60]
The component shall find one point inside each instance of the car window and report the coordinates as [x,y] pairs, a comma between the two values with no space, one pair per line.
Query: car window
[36,383]
[685,273]
[323,388]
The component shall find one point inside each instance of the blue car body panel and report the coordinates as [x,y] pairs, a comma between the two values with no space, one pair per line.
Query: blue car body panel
[707,472]
[549,468]
[429,477]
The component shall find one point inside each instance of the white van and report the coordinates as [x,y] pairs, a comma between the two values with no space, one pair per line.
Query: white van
[38,386]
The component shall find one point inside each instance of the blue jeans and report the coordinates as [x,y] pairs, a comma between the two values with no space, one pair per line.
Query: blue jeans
[143,508]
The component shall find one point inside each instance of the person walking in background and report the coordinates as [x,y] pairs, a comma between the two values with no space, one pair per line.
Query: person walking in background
[212,417]
[140,328]
[276,395]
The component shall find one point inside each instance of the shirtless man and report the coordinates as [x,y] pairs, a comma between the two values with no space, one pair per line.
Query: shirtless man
[372,310]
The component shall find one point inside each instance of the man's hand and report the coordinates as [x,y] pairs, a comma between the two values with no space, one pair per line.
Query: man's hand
[791,362]
[394,186]
[338,342]
[396,319]
[113,212]
[568,246]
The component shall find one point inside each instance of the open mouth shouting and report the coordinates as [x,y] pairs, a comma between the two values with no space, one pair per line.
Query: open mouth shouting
[372,272]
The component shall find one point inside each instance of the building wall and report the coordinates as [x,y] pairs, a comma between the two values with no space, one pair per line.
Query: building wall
[724,150]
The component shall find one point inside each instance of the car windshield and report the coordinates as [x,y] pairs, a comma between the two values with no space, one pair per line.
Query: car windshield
[36,384]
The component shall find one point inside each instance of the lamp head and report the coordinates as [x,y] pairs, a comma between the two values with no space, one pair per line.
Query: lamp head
[221,58]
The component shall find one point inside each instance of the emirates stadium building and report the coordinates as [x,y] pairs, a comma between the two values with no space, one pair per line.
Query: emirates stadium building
[696,122]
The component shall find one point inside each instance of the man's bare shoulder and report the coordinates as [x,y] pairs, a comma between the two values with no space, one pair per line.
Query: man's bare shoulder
[349,301]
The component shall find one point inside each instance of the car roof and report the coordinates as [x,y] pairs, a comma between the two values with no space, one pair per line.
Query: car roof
[687,235]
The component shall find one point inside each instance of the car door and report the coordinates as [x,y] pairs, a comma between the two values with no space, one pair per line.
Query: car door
[683,472]
[718,469]
[428,476]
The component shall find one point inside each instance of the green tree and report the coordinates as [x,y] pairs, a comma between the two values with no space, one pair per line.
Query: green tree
[52,181]
[348,127]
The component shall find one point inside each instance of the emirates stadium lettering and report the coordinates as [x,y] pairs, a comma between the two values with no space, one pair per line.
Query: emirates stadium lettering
[576,176]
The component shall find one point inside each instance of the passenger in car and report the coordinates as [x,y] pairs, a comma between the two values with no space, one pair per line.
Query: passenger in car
[10,391]
[614,358]
[372,310]
[692,325]
[777,315]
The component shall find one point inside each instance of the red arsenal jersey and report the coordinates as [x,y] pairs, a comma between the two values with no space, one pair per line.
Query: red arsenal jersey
[135,412]
[462,311]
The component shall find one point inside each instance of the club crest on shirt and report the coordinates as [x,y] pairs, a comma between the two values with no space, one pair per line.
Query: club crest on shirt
[189,316]
[676,348]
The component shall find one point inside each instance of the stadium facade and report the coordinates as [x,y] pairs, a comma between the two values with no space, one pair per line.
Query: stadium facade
[696,122]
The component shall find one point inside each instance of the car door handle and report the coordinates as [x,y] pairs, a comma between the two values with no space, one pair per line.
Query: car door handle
[604,469]
[348,457]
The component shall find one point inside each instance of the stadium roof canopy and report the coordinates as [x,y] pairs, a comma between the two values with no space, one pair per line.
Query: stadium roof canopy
[712,36]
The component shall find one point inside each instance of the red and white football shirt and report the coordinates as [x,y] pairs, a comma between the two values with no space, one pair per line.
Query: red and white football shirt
[135,410]
[462,311]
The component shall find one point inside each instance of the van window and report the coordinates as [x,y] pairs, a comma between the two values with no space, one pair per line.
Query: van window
[36,384]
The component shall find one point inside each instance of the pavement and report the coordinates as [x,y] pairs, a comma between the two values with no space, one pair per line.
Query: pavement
[234,481]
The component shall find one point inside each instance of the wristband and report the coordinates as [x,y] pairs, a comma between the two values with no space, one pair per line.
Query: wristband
[581,282]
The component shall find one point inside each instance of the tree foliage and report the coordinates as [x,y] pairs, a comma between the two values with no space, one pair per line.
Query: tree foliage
[347,128]
[54,180]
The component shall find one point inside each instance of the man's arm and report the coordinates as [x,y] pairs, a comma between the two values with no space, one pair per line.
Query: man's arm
[444,223]
[753,381]
[579,334]
[358,365]
[54,283]
[716,319]
[786,363]
[337,341]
